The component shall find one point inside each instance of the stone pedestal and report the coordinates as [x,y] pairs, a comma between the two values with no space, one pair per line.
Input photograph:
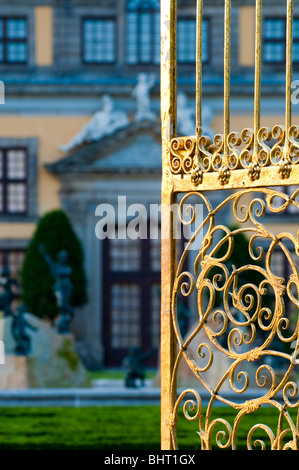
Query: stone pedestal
[13,373]
[51,362]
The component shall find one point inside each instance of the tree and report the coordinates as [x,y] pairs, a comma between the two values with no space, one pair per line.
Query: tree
[55,232]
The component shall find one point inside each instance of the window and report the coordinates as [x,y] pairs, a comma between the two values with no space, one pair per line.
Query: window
[131,297]
[187,40]
[13,181]
[99,40]
[143,32]
[275,40]
[124,255]
[125,315]
[13,40]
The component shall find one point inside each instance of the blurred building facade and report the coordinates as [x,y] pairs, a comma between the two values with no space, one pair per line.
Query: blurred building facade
[73,134]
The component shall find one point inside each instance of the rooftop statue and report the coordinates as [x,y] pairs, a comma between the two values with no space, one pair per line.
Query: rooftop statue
[102,123]
[142,94]
[186,118]
[63,287]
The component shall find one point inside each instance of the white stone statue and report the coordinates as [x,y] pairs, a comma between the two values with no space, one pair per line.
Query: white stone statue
[186,118]
[103,122]
[142,94]
[207,117]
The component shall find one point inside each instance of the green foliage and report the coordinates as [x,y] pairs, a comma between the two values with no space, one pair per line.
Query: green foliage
[54,230]
[67,352]
[119,428]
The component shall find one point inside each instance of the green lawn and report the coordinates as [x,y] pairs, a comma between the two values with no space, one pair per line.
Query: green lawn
[79,428]
[103,428]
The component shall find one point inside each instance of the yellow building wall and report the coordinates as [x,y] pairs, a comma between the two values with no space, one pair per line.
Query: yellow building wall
[238,122]
[44,35]
[16,231]
[50,132]
[247,36]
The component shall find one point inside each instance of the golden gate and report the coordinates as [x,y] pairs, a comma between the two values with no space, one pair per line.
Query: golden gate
[246,314]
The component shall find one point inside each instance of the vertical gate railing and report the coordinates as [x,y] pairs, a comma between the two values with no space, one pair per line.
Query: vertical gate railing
[242,348]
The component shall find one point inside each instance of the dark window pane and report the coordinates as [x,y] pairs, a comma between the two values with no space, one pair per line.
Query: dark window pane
[274,52]
[274,28]
[125,254]
[296,28]
[16,28]
[1,198]
[296,52]
[155,251]
[1,164]
[99,41]
[13,40]
[187,40]
[13,178]
[125,315]
[16,164]
[143,5]
[16,52]
[16,198]
[274,34]
[132,28]
[205,40]
[156,314]
[143,32]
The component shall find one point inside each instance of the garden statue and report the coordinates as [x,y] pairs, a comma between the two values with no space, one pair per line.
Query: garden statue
[186,120]
[135,368]
[18,330]
[63,287]
[7,295]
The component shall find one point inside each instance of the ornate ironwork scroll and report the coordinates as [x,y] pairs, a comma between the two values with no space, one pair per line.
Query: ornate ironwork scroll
[241,319]
[242,350]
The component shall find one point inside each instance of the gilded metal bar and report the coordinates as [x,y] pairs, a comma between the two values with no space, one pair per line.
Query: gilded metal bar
[168,72]
[227,30]
[227,38]
[289,54]
[256,160]
[168,253]
[238,180]
[199,7]
[257,81]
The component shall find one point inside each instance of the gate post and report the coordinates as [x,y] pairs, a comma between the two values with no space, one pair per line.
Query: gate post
[168,249]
